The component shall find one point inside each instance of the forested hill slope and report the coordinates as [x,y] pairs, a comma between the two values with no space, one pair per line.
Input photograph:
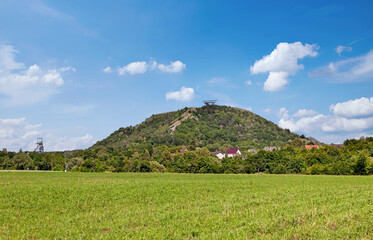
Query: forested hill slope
[215,127]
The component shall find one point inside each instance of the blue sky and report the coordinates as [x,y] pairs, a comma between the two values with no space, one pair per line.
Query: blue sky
[73,72]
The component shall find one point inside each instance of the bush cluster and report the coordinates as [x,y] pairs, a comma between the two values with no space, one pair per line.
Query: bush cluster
[355,158]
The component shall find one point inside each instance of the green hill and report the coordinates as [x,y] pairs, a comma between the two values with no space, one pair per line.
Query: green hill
[215,127]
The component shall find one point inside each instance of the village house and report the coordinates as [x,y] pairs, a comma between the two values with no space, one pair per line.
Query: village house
[232,152]
[336,145]
[219,155]
[270,149]
[311,146]
[252,151]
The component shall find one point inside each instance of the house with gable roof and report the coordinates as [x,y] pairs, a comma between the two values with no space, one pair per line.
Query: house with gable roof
[232,152]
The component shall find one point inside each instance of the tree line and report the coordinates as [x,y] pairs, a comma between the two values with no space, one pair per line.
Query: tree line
[354,158]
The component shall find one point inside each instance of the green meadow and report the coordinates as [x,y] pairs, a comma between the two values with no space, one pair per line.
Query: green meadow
[56,205]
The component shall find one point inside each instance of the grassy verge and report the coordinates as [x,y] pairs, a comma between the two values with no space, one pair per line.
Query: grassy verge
[182,206]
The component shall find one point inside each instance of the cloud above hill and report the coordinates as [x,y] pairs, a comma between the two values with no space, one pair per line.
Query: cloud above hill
[354,108]
[141,67]
[184,94]
[282,62]
[351,116]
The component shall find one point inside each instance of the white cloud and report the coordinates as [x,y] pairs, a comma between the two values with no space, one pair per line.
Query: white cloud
[283,113]
[27,86]
[267,110]
[53,143]
[67,69]
[354,108]
[341,49]
[340,138]
[276,81]
[17,134]
[304,112]
[134,68]
[142,67]
[306,124]
[184,94]
[248,82]
[107,69]
[330,123]
[336,124]
[7,59]
[326,123]
[217,80]
[282,62]
[284,58]
[173,67]
[352,69]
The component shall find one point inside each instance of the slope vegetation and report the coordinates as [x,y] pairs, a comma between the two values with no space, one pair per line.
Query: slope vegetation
[215,127]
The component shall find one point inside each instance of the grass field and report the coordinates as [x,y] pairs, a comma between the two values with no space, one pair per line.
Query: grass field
[56,205]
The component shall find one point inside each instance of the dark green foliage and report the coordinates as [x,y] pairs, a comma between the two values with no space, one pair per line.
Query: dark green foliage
[21,161]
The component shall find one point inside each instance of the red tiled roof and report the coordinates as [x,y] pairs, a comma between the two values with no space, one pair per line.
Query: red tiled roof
[231,150]
[311,146]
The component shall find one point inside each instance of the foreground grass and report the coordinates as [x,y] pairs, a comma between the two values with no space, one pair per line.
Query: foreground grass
[183,206]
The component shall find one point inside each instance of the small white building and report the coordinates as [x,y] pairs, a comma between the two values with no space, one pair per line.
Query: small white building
[252,151]
[219,155]
[232,152]
[270,149]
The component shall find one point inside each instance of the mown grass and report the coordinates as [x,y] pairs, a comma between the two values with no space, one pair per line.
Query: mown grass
[184,206]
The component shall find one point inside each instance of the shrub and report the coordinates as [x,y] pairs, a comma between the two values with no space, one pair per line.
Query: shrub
[156,167]
[58,168]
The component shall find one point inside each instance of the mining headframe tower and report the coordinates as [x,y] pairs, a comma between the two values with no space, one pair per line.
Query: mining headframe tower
[39,145]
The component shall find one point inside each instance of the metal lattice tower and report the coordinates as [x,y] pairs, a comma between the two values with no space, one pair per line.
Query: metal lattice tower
[209,102]
[39,145]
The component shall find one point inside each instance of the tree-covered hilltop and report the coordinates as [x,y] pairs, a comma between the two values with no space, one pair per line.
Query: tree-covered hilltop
[215,127]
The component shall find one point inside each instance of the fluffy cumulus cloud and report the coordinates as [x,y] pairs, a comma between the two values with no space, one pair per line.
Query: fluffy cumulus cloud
[17,134]
[173,67]
[340,49]
[349,70]
[304,112]
[304,125]
[184,94]
[24,85]
[283,113]
[142,67]
[326,123]
[134,68]
[354,108]
[352,116]
[282,62]
[276,81]
[336,124]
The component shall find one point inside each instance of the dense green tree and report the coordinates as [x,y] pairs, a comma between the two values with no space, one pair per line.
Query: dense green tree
[22,161]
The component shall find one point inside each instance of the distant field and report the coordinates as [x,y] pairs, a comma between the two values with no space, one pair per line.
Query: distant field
[58,205]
